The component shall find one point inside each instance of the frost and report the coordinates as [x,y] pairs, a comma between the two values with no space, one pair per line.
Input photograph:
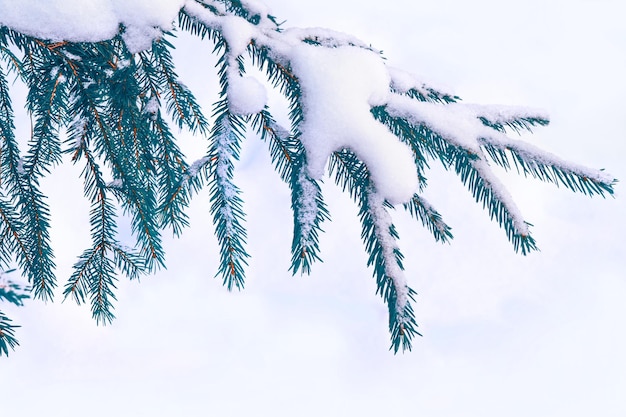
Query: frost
[224,163]
[227,213]
[194,168]
[307,209]
[79,124]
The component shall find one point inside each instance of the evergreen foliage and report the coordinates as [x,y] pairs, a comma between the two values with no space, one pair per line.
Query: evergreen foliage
[15,294]
[116,107]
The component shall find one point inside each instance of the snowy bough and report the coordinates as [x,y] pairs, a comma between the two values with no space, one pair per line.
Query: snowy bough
[103,89]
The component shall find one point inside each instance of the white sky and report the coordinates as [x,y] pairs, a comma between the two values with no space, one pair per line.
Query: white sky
[503,334]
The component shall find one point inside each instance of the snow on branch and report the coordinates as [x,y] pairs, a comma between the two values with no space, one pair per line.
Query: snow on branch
[226,205]
[380,238]
[530,160]
[103,72]
[403,82]
[474,128]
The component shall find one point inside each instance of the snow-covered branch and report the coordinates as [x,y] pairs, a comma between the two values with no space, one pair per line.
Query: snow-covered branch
[102,72]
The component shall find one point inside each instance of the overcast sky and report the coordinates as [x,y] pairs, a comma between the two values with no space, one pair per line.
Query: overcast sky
[504,335]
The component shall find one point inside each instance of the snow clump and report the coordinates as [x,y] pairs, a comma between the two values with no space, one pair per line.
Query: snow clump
[91,21]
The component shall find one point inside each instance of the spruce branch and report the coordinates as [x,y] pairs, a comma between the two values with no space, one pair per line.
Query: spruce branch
[226,205]
[379,236]
[226,136]
[309,211]
[15,294]
[7,335]
[531,161]
[421,209]
[117,107]
[181,104]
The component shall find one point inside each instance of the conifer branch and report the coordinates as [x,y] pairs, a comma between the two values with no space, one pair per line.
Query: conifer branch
[11,292]
[282,146]
[430,218]
[117,103]
[529,160]
[226,205]
[181,104]
[309,211]
[379,236]
[7,335]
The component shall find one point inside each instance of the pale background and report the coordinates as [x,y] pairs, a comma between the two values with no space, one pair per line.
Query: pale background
[504,335]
